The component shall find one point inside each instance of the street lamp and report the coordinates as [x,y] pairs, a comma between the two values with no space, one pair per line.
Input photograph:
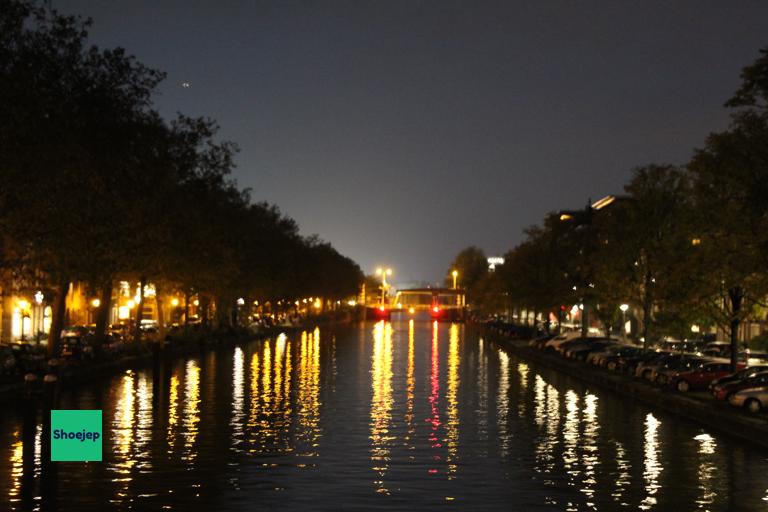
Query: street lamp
[624,308]
[455,274]
[383,273]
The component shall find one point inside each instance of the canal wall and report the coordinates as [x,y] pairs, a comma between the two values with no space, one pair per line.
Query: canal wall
[695,407]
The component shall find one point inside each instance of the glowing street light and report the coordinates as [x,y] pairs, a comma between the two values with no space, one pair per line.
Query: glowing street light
[383,273]
[96,303]
[624,308]
[455,274]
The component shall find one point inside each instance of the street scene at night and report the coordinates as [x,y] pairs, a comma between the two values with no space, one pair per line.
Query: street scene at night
[383,255]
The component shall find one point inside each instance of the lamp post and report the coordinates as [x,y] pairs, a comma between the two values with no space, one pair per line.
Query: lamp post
[624,308]
[455,274]
[383,273]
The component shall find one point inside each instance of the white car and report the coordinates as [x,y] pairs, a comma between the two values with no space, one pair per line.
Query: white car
[562,338]
[753,399]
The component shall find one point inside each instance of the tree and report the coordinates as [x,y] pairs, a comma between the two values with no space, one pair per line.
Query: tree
[472,267]
[644,253]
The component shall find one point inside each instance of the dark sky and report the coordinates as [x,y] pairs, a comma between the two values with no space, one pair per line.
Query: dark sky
[404,131]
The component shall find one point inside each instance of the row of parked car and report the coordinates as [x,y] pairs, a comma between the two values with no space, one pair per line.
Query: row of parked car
[691,368]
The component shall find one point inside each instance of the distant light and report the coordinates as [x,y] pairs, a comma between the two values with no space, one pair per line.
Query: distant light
[352,303]
[695,328]
[382,309]
[624,308]
[436,309]
[95,303]
[241,301]
[39,297]
[185,85]
[493,261]
[696,241]
[565,216]
[23,304]
[411,310]
[602,203]
[131,304]
[196,302]
[318,304]
[399,305]
[174,302]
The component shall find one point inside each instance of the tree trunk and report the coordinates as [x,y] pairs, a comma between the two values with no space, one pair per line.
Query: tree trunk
[102,314]
[57,320]
[736,295]
[160,314]
[139,310]
[186,311]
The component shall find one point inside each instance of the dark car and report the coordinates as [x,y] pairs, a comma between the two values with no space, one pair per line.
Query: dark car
[626,363]
[540,341]
[645,369]
[724,391]
[740,375]
[580,351]
[75,348]
[7,361]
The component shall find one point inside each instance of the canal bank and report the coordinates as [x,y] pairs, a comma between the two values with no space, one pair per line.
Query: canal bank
[695,407]
[151,353]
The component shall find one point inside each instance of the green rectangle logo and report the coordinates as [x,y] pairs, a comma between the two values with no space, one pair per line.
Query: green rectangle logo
[76,435]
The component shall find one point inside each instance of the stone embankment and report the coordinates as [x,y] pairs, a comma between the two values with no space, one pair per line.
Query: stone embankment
[698,407]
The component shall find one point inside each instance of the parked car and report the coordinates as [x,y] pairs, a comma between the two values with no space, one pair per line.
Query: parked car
[562,338]
[723,391]
[29,357]
[580,351]
[618,354]
[699,377]
[540,341]
[747,372]
[7,361]
[629,363]
[75,347]
[752,399]
[662,374]
[645,369]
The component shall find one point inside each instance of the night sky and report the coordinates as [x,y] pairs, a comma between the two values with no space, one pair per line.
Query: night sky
[404,131]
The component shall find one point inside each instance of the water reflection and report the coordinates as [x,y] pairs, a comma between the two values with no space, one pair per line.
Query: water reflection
[410,386]
[191,411]
[173,415]
[381,403]
[651,464]
[424,411]
[238,400]
[482,392]
[16,465]
[590,458]
[452,410]
[434,399]
[123,437]
[707,470]
[503,403]
[309,393]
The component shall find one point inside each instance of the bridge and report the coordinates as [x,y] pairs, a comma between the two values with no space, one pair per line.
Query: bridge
[441,303]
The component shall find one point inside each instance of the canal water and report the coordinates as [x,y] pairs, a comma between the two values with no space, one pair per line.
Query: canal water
[408,415]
